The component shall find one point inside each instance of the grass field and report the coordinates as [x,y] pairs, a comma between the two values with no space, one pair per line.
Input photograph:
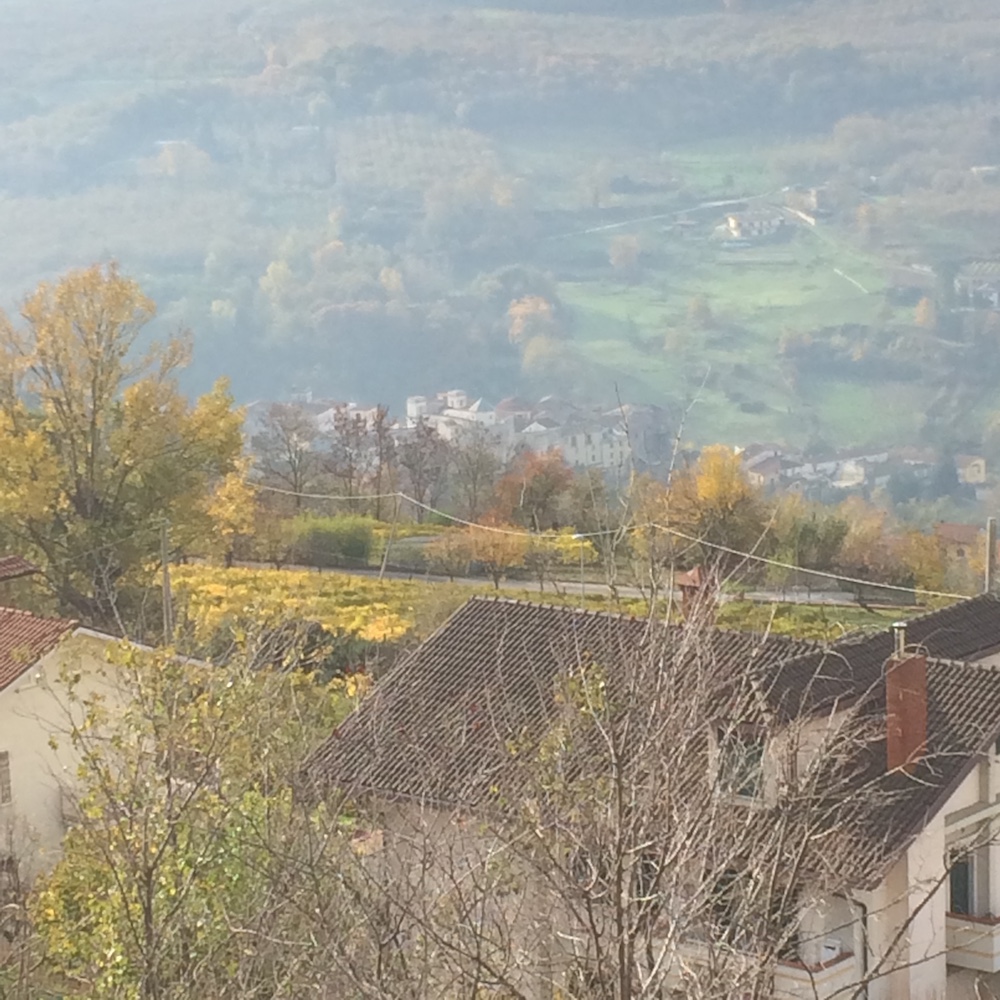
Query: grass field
[636,331]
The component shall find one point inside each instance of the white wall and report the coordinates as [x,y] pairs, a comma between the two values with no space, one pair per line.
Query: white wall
[34,715]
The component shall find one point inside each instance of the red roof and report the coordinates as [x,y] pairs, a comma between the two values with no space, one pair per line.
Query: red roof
[957,534]
[14,567]
[25,639]
[692,578]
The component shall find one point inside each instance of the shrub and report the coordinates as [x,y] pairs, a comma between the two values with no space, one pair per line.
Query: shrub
[333,541]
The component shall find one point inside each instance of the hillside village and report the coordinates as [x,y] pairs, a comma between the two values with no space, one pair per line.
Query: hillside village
[616,617]
[651,780]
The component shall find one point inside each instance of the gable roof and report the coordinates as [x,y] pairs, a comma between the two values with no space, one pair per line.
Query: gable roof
[24,639]
[15,567]
[963,720]
[851,668]
[435,728]
[438,728]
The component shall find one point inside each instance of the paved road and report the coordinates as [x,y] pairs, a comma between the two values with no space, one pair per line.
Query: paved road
[830,598]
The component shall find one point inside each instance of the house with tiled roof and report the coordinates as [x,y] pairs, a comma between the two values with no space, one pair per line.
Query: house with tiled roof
[16,568]
[898,885]
[35,761]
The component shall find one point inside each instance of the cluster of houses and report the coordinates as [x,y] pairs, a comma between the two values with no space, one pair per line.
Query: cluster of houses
[762,220]
[614,440]
[779,468]
[918,920]
[975,285]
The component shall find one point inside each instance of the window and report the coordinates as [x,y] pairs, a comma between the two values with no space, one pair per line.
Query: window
[6,794]
[590,872]
[960,884]
[741,756]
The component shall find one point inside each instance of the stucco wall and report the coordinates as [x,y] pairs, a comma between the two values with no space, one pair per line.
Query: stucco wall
[34,721]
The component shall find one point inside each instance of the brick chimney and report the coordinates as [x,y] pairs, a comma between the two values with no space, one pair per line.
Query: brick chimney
[905,704]
[698,595]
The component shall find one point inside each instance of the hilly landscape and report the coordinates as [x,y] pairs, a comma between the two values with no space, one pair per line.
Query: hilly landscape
[369,201]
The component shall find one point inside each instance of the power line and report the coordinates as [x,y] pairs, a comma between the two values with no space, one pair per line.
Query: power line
[324,496]
[813,572]
[625,529]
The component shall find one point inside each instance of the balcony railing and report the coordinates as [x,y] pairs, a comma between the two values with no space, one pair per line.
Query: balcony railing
[973,942]
[792,980]
[798,981]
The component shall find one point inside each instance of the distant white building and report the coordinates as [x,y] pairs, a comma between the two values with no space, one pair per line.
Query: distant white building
[452,414]
[326,420]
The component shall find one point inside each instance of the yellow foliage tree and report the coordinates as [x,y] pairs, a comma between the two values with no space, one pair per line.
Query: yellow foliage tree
[530,316]
[450,554]
[498,548]
[924,556]
[545,552]
[231,510]
[715,503]
[97,445]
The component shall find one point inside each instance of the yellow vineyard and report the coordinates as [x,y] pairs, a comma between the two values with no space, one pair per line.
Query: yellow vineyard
[211,597]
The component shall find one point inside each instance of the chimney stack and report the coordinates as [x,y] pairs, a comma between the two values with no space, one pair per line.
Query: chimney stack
[905,704]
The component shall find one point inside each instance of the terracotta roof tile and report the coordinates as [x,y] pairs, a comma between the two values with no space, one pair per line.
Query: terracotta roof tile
[14,567]
[25,639]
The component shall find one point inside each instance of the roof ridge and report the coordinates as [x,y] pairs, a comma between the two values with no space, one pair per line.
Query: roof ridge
[525,602]
[980,665]
[6,609]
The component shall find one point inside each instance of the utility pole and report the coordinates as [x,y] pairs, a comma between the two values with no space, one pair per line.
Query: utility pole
[168,603]
[991,555]
[390,539]
[583,589]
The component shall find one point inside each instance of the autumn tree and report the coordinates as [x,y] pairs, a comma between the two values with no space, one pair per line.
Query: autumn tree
[424,456]
[532,489]
[231,510]
[450,554]
[97,445]
[349,457]
[714,503]
[699,313]
[529,317]
[552,550]
[868,551]
[603,515]
[925,315]
[286,452]
[475,465]
[923,556]
[623,254]
[185,821]
[496,547]
[806,535]
[383,479]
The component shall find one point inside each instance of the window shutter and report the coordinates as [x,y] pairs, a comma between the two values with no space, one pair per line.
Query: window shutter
[5,790]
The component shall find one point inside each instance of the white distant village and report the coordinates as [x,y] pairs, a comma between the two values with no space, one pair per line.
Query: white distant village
[629,436]
[610,439]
